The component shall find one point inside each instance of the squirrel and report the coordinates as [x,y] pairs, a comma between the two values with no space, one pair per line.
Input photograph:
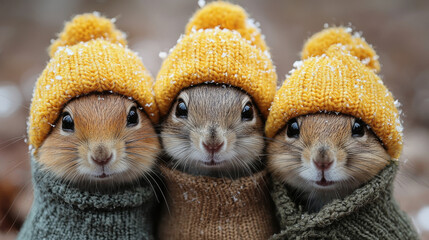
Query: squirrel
[92,138]
[325,156]
[214,90]
[336,137]
[100,141]
[214,131]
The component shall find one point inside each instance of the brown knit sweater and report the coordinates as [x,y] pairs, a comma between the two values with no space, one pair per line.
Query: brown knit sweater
[216,208]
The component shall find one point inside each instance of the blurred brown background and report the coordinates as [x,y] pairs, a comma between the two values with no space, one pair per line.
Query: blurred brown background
[398,29]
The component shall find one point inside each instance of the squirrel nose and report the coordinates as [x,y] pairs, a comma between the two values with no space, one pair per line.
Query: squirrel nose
[102,160]
[213,147]
[323,165]
[101,156]
[324,160]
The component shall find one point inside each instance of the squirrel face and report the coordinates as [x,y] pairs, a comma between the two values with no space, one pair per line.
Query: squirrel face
[213,131]
[326,156]
[100,138]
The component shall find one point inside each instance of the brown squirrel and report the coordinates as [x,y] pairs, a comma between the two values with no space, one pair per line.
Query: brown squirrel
[100,140]
[325,156]
[214,131]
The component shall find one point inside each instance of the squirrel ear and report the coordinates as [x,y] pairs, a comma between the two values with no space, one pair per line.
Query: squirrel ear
[328,40]
[229,16]
[86,27]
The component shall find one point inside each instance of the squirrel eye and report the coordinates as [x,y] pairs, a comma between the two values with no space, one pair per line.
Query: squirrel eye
[292,130]
[133,117]
[67,123]
[247,112]
[358,128]
[181,109]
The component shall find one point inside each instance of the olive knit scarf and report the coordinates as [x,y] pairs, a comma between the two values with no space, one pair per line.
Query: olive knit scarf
[216,208]
[370,212]
[61,211]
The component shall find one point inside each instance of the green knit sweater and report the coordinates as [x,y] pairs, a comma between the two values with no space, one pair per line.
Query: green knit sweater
[61,211]
[370,212]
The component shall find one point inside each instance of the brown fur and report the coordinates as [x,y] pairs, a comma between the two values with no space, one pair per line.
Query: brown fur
[100,130]
[355,159]
[214,115]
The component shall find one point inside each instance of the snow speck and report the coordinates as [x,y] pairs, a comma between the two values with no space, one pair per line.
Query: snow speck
[325,25]
[201,3]
[267,54]
[69,52]
[48,87]
[148,104]
[297,64]
[366,61]
[252,23]
[234,198]
[397,103]
[399,128]
[162,55]
[423,218]
[185,195]
[113,20]
[97,14]
[359,35]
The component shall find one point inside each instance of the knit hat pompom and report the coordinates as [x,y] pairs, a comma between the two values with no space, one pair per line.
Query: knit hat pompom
[229,16]
[86,27]
[332,40]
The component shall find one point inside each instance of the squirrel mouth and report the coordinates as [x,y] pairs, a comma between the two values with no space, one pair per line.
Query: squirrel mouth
[103,175]
[212,160]
[212,163]
[323,182]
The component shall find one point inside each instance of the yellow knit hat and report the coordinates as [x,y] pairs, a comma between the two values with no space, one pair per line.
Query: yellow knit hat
[338,74]
[90,55]
[221,45]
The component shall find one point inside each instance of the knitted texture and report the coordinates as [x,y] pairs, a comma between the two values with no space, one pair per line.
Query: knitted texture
[221,45]
[62,211]
[338,74]
[370,212]
[89,56]
[216,208]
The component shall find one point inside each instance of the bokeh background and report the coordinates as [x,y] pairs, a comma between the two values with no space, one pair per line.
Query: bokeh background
[398,29]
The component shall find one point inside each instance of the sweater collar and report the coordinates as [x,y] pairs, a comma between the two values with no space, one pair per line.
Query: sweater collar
[186,188]
[49,187]
[201,207]
[379,188]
